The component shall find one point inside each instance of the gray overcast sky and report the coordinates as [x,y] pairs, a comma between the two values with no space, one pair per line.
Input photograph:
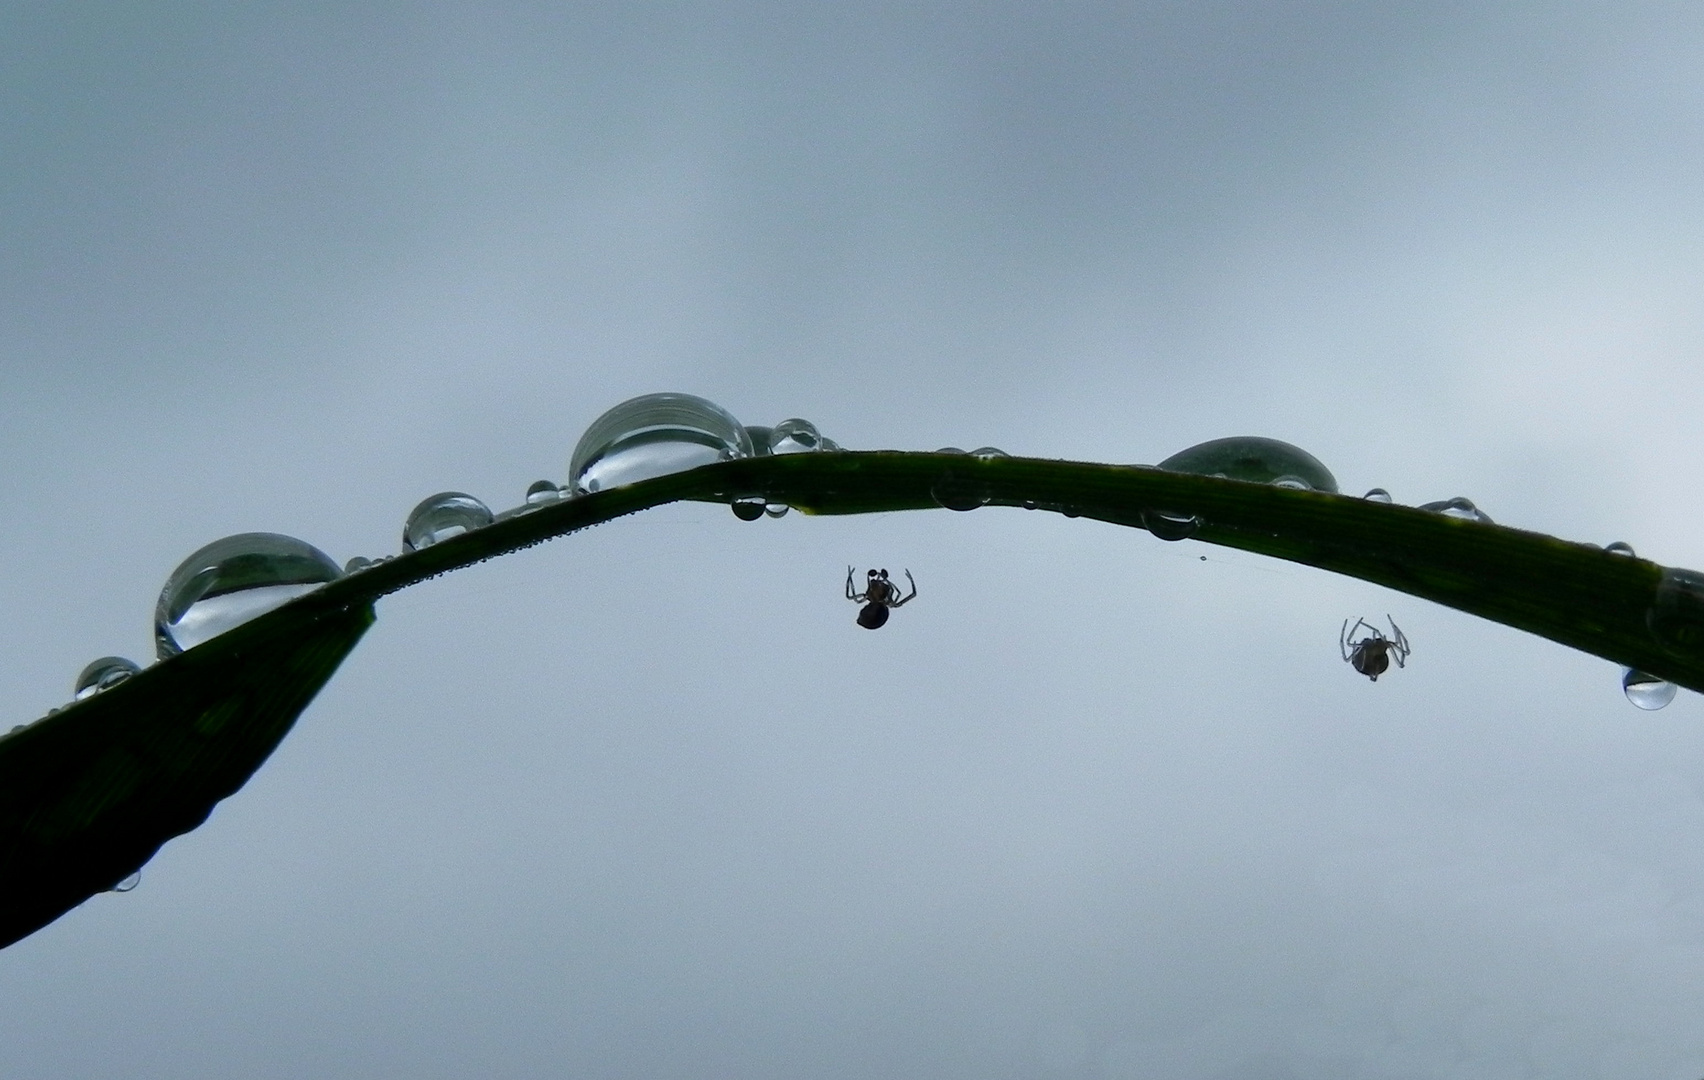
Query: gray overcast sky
[646,802]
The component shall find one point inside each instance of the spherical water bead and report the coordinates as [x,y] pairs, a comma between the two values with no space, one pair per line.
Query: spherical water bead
[776,509]
[231,581]
[441,516]
[542,493]
[1646,691]
[357,564]
[988,453]
[655,435]
[1458,507]
[103,674]
[1170,526]
[748,507]
[1254,459]
[1378,495]
[1620,547]
[795,436]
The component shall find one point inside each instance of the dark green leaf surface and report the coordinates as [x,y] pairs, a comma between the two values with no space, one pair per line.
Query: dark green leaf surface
[89,794]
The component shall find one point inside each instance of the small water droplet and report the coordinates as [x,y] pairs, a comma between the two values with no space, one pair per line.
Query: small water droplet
[1646,691]
[1168,525]
[129,883]
[776,509]
[1620,547]
[795,436]
[759,436]
[956,491]
[1458,507]
[949,450]
[1378,495]
[829,446]
[1256,460]
[748,507]
[103,674]
[231,581]
[441,516]
[1029,504]
[358,564]
[1676,614]
[542,493]
[1070,511]
[988,453]
[655,435]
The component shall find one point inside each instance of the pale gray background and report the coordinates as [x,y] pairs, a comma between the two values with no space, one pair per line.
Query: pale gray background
[646,802]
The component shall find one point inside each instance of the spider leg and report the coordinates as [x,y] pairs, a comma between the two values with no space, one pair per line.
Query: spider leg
[1402,647]
[908,599]
[849,593]
[1343,640]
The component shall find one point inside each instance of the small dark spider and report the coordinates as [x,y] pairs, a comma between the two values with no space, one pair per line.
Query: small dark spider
[878,596]
[1371,656]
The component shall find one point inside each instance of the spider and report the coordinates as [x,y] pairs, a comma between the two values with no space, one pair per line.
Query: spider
[1371,655]
[879,594]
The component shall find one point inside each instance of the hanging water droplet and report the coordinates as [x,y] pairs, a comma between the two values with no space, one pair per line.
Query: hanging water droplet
[795,436]
[759,436]
[1378,495]
[655,435]
[1168,525]
[988,453]
[103,674]
[748,507]
[231,581]
[441,516]
[1254,459]
[1676,614]
[129,883]
[1646,691]
[956,491]
[357,564]
[1620,547]
[1070,511]
[1458,507]
[1029,504]
[776,509]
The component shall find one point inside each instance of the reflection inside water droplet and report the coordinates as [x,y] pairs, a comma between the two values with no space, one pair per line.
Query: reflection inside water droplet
[1168,525]
[748,507]
[1458,507]
[1378,495]
[759,436]
[1254,459]
[441,516]
[543,493]
[655,435]
[794,436]
[1646,691]
[231,581]
[103,674]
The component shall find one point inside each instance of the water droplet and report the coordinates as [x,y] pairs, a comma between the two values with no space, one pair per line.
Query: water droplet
[655,435]
[1646,691]
[103,674]
[1620,547]
[988,453]
[231,581]
[1676,614]
[748,507]
[357,564]
[1458,507]
[759,436]
[542,493]
[1378,495]
[1168,525]
[446,514]
[1254,459]
[129,883]
[949,450]
[956,491]
[776,509]
[1029,504]
[829,446]
[1070,511]
[795,436]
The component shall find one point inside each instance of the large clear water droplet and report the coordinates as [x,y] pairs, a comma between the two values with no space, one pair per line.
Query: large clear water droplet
[103,674]
[1620,547]
[748,507]
[795,436]
[1646,691]
[1254,459]
[655,435]
[441,516]
[1378,495]
[1458,507]
[231,581]
[1168,525]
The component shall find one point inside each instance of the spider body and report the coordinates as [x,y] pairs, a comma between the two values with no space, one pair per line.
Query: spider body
[878,596]
[1371,655]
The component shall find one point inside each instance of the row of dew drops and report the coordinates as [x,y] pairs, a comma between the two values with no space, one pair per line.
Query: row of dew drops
[236,579]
